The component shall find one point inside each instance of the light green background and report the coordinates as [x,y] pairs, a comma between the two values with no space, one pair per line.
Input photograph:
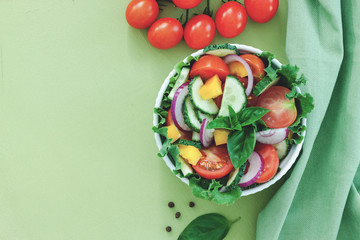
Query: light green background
[77,154]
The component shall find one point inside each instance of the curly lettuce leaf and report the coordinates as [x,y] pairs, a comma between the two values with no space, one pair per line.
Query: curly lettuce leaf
[209,190]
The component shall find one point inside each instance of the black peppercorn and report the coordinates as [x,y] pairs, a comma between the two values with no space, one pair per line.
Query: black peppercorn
[171,204]
[168,229]
[191,204]
[177,215]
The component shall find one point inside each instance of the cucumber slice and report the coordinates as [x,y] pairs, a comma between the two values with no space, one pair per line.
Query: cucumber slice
[196,136]
[200,116]
[221,50]
[263,85]
[234,177]
[205,106]
[189,115]
[185,168]
[234,96]
[188,143]
[183,77]
[282,149]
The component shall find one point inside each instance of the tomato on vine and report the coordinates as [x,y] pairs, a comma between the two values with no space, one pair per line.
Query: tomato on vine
[141,14]
[230,19]
[186,4]
[199,31]
[165,33]
[261,11]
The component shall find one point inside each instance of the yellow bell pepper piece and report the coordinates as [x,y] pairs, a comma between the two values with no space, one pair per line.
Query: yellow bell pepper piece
[173,132]
[211,88]
[221,136]
[190,153]
[238,69]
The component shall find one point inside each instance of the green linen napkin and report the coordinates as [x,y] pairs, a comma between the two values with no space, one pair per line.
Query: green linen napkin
[321,199]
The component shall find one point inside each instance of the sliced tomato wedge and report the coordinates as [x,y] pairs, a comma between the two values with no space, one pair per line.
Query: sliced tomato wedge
[282,110]
[257,66]
[209,65]
[271,161]
[215,162]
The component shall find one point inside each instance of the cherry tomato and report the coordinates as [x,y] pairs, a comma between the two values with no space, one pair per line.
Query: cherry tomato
[215,162]
[282,110]
[257,66]
[199,31]
[209,65]
[230,19]
[271,161]
[186,4]
[261,11]
[169,121]
[165,33]
[141,14]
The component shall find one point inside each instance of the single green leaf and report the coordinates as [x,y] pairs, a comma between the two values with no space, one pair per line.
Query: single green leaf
[233,118]
[240,145]
[210,226]
[221,122]
[305,104]
[162,115]
[289,72]
[174,152]
[250,115]
[228,197]
[234,121]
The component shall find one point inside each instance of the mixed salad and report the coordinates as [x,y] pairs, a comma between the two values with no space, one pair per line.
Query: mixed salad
[227,119]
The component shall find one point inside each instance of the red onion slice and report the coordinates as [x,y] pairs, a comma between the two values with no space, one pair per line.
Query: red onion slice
[272,136]
[256,167]
[206,135]
[176,107]
[233,57]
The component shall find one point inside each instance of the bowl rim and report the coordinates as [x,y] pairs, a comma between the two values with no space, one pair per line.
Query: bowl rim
[284,164]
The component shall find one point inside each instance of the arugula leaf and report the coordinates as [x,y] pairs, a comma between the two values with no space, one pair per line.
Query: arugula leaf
[240,145]
[250,115]
[211,226]
[220,122]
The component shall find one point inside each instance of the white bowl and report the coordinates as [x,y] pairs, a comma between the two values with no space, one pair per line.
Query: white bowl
[284,165]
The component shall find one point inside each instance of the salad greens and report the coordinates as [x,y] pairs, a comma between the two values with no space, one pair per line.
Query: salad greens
[211,226]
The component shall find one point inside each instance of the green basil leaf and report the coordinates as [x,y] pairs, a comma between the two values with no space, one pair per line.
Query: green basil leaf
[221,122]
[233,118]
[240,145]
[251,114]
[211,226]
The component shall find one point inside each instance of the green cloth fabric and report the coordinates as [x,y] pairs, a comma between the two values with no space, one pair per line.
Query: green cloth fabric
[321,199]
